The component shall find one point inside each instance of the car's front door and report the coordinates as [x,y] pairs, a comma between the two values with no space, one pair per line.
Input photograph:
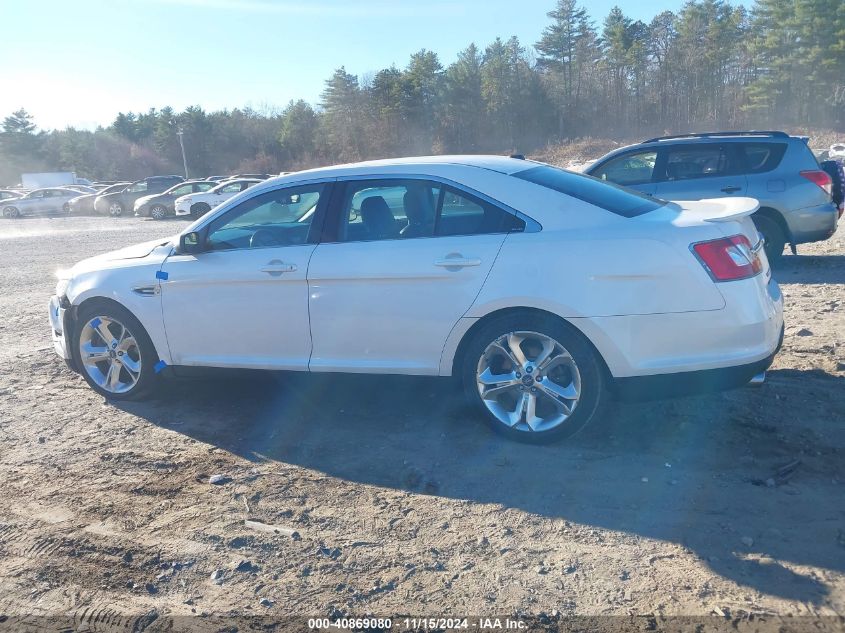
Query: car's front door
[406,260]
[633,169]
[244,301]
[699,171]
[128,196]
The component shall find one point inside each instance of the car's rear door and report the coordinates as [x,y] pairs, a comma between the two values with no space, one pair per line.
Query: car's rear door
[402,262]
[698,171]
[244,301]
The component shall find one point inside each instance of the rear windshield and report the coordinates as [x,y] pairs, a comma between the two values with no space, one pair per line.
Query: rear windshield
[619,200]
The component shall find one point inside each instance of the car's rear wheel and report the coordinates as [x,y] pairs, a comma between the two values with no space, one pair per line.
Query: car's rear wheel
[11,212]
[114,352]
[158,212]
[199,210]
[535,378]
[773,235]
[115,209]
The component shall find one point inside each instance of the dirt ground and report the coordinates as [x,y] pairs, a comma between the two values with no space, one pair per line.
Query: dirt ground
[402,501]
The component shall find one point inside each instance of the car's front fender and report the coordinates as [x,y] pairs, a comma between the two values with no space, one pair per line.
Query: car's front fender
[136,288]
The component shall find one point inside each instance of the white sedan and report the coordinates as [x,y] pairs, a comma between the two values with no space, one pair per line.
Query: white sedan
[199,203]
[543,290]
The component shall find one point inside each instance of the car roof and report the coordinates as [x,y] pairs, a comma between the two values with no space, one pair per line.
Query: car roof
[235,181]
[700,138]
[501,164]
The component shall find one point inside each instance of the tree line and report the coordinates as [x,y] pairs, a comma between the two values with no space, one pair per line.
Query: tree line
[711,65]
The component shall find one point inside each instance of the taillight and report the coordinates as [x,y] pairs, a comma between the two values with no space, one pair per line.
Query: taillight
[821,178]
[729,258]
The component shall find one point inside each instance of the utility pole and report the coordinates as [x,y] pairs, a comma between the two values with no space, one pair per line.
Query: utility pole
[179,133]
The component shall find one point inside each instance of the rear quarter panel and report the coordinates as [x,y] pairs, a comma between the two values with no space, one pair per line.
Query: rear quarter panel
[590,272]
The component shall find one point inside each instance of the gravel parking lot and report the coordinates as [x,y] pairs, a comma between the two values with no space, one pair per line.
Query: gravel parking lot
[404,503]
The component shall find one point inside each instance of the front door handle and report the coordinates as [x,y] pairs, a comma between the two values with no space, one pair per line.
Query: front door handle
[456,261]
[730,189]
[276,267]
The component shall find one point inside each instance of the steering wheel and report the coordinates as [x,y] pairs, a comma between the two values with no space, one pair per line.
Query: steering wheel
[263,238]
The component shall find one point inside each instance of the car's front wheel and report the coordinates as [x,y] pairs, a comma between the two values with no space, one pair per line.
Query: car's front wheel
[115,209]
[114,351]
[158,212]
[11,213]
[535,378]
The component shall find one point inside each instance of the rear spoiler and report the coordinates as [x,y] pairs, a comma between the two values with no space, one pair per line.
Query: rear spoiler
[720,209]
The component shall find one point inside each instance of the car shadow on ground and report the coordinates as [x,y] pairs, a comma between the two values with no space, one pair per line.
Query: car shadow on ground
[810,269]
[686,471]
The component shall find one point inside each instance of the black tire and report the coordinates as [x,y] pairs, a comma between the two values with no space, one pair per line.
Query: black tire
[774,237]
[115,209]
[147,379]
[158,212]
[199,210]
[590,367]
[11,213]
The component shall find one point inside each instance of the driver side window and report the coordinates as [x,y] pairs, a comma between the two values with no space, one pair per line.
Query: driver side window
[276,218]
[635,168]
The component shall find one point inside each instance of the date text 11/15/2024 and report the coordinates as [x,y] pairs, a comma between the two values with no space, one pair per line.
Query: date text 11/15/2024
[417,624]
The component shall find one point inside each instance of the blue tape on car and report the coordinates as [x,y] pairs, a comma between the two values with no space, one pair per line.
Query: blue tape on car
[95,323]
[161,275]
[159,366]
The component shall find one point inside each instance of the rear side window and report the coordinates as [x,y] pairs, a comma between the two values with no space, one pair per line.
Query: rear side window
[402,209]
[619,200]
[698,161]
[762,157]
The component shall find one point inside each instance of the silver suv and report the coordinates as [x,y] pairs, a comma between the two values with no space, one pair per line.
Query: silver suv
[777,169]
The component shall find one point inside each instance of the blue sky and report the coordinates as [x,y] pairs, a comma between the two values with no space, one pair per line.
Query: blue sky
[80,62]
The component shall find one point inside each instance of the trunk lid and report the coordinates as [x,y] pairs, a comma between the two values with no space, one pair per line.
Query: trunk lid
[727,216]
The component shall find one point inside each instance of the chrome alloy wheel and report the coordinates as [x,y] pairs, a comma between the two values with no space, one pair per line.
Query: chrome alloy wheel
[115,210]
[110,354]
[528,381]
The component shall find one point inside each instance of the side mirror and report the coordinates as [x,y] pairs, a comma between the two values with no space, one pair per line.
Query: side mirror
[192,242]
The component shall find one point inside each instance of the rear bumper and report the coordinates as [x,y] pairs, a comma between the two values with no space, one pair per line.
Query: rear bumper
[691,382]
[746,332]
[813,224]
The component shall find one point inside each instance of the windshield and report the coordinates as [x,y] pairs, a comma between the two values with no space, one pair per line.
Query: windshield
[618,200]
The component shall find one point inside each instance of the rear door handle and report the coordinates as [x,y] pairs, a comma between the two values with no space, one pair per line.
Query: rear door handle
[730,189]
[455,262]
[276,267]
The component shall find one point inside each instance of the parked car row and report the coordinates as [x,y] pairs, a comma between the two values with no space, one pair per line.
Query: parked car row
[155,197]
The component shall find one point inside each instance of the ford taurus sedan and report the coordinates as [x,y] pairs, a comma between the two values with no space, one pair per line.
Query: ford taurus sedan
[543,290]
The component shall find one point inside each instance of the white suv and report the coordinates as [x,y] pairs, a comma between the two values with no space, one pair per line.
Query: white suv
[543,290]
